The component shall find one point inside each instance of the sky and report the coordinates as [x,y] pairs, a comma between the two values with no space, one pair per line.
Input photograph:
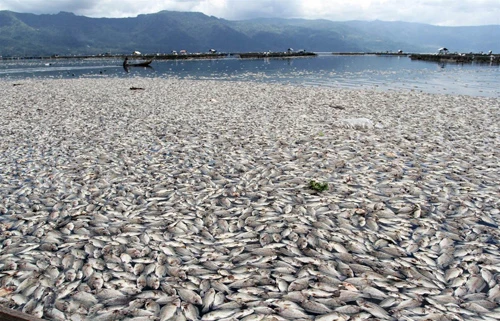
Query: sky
[436,12]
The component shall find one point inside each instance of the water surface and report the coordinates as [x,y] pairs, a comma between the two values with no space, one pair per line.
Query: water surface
[355,72]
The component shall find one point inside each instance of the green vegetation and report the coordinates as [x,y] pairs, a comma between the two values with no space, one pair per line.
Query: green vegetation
[23,34]
[317,186]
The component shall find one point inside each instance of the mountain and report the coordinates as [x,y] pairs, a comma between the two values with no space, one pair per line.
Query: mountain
[429,37]
[23,34]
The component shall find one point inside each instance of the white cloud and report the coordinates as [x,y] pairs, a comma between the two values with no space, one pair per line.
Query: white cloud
[441,12]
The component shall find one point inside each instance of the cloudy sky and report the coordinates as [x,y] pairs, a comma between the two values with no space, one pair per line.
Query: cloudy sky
[437,12]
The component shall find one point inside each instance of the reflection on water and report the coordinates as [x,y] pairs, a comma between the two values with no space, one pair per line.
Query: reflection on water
[365,72]
[128,68]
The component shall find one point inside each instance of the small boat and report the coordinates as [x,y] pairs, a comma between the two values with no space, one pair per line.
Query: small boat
[144,63]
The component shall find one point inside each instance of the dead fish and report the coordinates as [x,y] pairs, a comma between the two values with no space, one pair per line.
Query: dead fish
[315,307]
[189,296]
[208,300]
[374,309]
[218,314]
[168,311]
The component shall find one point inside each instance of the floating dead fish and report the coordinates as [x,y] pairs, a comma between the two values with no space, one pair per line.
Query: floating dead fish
[204,213]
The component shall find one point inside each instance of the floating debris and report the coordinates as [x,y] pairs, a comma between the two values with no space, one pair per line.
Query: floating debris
[317,186]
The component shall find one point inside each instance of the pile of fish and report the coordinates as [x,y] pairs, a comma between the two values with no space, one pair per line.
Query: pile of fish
[191,200]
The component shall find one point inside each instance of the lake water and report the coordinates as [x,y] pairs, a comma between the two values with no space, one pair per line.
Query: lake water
[355,72]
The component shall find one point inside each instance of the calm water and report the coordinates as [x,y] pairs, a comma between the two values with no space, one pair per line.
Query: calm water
[355,72]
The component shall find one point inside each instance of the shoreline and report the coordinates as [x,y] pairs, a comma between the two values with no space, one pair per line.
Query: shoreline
[192,197]
[472,81]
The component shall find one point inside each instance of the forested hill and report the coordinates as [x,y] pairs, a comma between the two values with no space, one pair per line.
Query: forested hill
[23,34]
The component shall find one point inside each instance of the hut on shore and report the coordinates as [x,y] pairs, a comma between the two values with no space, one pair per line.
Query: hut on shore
[443,51]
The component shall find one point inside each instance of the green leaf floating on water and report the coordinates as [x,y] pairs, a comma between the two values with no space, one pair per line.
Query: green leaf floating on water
[318,187]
